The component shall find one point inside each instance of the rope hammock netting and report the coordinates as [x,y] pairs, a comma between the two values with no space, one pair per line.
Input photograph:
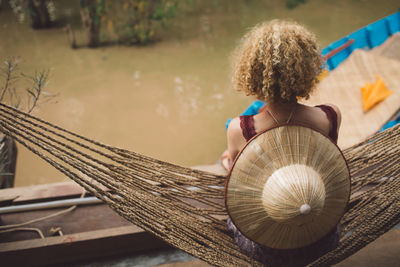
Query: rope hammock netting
[185,207]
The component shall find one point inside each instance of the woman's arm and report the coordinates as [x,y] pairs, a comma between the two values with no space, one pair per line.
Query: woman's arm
[235,142]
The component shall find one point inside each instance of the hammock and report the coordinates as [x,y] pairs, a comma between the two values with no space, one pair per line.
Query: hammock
[184,207]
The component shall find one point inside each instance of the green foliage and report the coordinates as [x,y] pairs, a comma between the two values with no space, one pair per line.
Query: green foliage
[294,3]
[95,9]
[139,21]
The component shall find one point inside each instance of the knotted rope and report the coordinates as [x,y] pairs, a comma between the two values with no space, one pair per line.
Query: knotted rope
[184,207]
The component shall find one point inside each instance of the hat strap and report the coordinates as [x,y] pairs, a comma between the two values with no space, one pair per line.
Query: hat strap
[276,121]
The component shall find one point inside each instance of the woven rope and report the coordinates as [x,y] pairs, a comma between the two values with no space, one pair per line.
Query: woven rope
[185,207]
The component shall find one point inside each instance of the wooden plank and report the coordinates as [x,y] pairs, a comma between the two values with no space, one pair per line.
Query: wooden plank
[43,192]
[80,246]
[68,239]
[82,219]
[89,231]
[215,168]
[7,201]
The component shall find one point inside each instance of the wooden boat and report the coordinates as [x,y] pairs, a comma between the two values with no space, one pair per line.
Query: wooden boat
[84,233]
[365,38]
[88,232]
[94,233]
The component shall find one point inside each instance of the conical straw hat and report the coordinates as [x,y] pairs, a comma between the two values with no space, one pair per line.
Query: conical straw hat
[288,187]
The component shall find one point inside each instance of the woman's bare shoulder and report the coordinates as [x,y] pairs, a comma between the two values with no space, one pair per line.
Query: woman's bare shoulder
[234,128]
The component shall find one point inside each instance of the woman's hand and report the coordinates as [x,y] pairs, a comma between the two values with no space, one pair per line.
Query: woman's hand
[225,159]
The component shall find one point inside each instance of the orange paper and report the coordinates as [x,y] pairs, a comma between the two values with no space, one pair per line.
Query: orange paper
[323,74]
[374,93]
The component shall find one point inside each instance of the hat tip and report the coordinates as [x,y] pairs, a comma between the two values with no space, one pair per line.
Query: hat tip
[305,209]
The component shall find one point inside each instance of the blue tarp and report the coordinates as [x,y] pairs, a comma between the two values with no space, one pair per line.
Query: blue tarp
[391,123]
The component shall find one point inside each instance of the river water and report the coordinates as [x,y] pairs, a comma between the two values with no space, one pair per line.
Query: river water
[168,100]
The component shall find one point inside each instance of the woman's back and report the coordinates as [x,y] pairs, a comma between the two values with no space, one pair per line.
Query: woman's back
[324,118]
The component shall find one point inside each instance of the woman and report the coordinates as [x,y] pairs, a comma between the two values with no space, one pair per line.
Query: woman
[279,62]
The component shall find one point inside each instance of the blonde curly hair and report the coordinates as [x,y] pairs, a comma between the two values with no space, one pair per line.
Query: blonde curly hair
[277,61]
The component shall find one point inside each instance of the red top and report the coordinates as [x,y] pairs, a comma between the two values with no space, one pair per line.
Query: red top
[247,124]
[332,117]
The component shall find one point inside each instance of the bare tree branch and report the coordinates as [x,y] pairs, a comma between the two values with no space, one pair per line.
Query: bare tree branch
[11,64]
[40,81]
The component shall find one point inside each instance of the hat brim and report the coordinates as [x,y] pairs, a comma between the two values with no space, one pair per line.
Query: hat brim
[264,154]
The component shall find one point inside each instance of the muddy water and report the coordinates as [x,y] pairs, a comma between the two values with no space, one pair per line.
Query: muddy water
[168,100]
